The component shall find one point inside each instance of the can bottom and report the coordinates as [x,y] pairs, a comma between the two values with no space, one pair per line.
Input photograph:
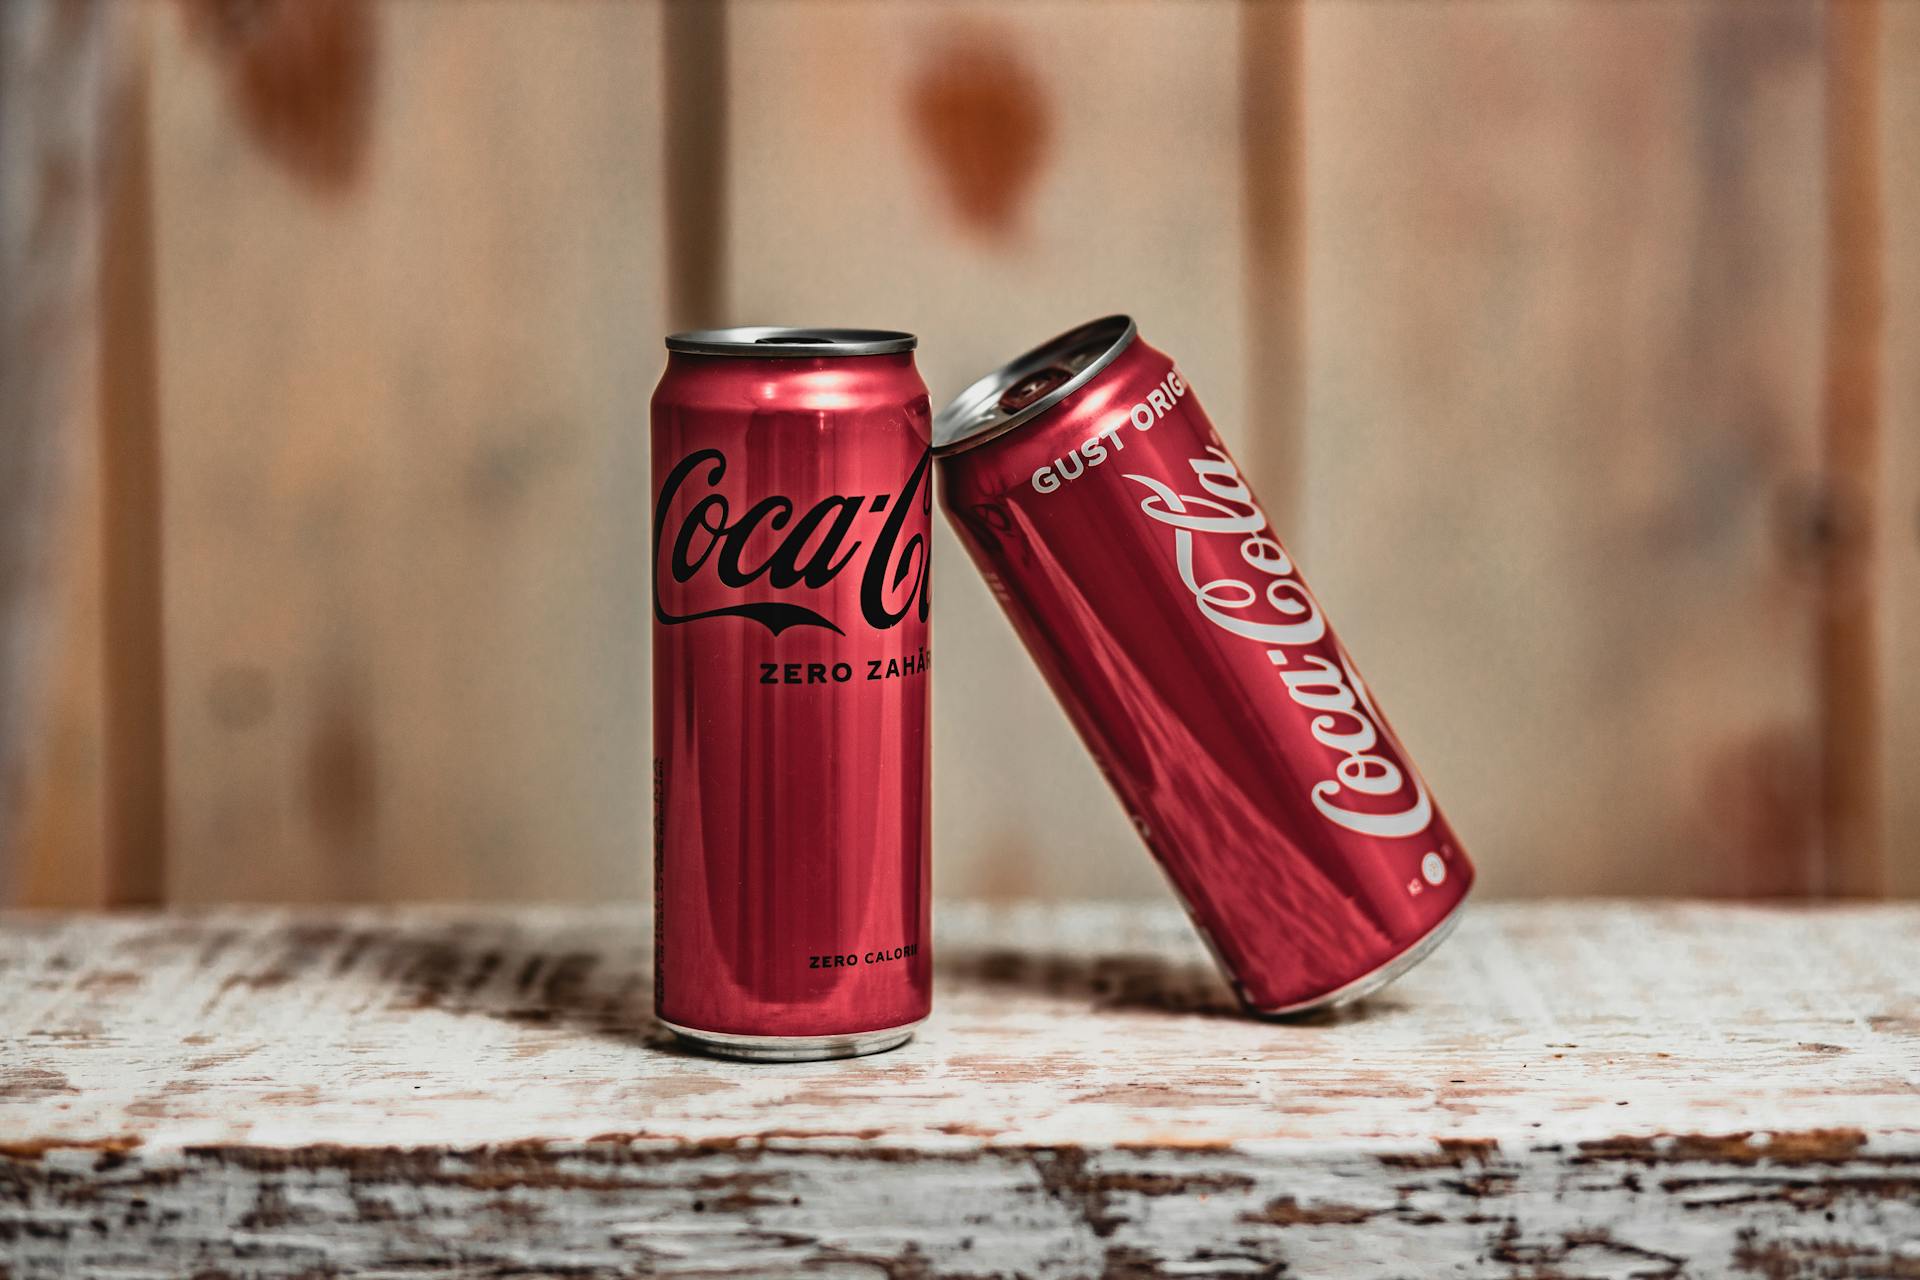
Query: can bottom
[1366,984]
[793,1048]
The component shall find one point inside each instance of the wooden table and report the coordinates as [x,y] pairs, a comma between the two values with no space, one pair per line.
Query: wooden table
[1563,1090]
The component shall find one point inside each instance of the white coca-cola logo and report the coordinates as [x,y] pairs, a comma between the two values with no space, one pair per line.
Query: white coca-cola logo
[1275,609]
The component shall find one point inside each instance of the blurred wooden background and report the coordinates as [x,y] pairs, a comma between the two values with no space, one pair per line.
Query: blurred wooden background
[1570,345]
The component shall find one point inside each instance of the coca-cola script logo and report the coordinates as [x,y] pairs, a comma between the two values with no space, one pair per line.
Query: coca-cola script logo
[1274,608]
[812,548]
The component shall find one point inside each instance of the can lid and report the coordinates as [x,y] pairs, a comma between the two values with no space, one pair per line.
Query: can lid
[1027,387]
[766,342]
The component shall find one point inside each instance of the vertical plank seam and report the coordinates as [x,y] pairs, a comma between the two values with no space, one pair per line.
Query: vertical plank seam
[131,608]
[1850,423]
[1272,163]
[694,42]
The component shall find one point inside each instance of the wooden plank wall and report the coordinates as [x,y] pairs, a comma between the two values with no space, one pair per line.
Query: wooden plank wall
[949,169]
[60,74]
[1535,324]
[1566,339]
[410,275]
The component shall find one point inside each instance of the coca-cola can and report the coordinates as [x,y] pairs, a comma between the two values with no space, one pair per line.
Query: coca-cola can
[792,500]
[1134,561]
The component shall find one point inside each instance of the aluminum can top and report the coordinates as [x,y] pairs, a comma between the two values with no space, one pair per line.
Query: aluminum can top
[1023,389]
[767,342]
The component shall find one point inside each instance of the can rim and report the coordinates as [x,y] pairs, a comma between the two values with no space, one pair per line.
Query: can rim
[974,416]
[1368,983]
[767,342]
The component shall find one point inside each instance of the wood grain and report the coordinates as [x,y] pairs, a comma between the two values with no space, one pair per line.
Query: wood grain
[49,72]
[405,373]
[1566,320]
[1562,1090]
[1535,380]
[988,174]
[61,70]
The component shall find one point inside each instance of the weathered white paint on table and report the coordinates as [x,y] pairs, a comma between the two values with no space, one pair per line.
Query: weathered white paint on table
[1564,1090]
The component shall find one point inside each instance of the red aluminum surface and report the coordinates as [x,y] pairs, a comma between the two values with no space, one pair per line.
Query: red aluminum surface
[792,500]
[1143,576]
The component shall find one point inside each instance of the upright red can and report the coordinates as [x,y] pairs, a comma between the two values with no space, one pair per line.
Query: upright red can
[1143,576]
[792,499]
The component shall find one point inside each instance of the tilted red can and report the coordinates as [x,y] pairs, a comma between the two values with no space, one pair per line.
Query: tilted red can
[792,500]
[1142,574]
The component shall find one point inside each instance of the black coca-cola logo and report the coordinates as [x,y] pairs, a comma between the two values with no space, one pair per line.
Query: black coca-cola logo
[815,546]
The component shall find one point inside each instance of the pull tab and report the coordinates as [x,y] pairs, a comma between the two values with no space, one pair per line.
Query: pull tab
[1032,387]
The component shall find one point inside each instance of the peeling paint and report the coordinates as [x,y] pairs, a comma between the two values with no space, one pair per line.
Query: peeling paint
[286,1091]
